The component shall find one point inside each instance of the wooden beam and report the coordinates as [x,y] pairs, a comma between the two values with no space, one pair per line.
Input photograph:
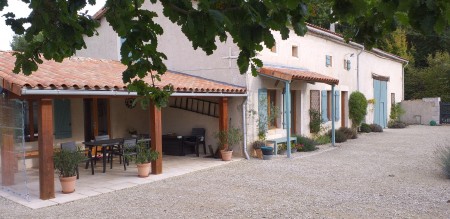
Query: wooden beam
[156,136]
[108,116]
[8,160]
[223,114]
[46,172]
[95,116]
[31,119]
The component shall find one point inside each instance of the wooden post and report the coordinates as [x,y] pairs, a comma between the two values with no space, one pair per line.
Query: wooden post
[223,115]
[31,119]
[156,136]
[9,161]
[46,172]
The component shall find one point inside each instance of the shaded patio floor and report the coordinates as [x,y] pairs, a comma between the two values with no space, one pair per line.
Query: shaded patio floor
[114,179]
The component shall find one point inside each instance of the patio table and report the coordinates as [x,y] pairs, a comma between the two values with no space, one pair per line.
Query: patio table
[105,144]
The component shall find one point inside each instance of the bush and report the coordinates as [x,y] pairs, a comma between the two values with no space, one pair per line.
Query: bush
[396,124]
[339,136]
[308,143]
[350,133]
[258,144]
[365,128]
[322,139]
[357,108]
[396,112]
[376,128]
[314,121]
[443,158]
[433,123]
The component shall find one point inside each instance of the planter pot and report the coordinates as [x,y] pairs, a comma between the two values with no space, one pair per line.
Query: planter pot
[293,150]
[259,153]
[226,155]
[267,157]
[267,150]
[283,152]
[68,184]
[143,169]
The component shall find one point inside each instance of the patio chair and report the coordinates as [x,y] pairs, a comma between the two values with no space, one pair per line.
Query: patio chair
[100,138]
[128,149]
[71,146]
[196,138]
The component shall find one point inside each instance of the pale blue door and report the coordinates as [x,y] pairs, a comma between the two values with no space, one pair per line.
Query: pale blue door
[380,96]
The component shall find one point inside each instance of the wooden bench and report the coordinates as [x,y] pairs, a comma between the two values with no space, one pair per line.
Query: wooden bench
[277,141]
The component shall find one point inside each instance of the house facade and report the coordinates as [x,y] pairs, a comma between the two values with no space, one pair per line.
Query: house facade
[325,54]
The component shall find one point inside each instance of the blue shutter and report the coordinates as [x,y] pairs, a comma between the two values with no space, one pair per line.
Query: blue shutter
[62,118]
[324,103]
[376,96]
[383,97]
[349,65]
[337,109]
[262,108]
[327,60]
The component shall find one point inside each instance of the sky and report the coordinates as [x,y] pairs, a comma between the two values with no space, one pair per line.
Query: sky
[21,9]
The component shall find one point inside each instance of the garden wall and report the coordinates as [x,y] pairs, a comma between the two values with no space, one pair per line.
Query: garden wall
[421,111]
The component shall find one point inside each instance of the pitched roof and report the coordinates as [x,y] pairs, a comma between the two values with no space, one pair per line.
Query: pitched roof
[290,74]
[78,73]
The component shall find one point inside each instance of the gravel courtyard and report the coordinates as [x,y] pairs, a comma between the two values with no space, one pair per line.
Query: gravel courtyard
[379,175]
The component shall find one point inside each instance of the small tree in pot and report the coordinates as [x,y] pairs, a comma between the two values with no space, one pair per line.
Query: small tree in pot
[227,140]
[142,158]
[257,147]
[66,162]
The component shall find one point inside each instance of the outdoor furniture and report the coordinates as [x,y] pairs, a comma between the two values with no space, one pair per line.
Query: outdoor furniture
[173,145]
[276,141]
[106,145]
[196,138]
[71,146]
[128,149]
[99,138]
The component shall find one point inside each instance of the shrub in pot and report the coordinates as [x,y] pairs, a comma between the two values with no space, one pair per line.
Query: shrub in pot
[257,147]
[227,140]
[66,162]
[144,156]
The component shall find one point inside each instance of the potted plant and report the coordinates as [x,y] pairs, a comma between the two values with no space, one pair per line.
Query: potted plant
[227,140]
[282,149]
[66,163]
[257,147]
[143,157]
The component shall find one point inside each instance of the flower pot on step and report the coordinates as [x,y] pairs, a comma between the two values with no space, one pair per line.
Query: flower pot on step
[267,157]
[143,169]
[68,184]
[259,153]
[267,150]
[226,155]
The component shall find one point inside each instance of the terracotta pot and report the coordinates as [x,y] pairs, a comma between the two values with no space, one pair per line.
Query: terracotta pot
[143,169]
[226,155]
[68,184]
[259,153]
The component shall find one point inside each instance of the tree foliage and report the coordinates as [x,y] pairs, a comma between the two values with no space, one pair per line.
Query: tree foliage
[19,43]
[357,105]
[431,81]
[205,23]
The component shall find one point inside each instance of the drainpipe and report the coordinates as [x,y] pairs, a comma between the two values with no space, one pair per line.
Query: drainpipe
[287,111]
[244,127]
[403,80]
[333,107]
[357,68]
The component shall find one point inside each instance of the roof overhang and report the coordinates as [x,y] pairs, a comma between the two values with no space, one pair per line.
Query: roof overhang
[290,74]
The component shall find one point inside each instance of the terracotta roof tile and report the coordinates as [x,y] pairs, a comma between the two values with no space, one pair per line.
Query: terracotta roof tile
[98,74]
[297,74]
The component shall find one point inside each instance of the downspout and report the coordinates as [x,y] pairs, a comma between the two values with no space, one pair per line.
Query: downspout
[244,126]
[357,68]
[333,108]
[403,80]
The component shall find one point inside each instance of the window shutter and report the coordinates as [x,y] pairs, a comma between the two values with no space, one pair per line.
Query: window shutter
[262,108]
[349,65]
[337,111]
[327,60]
[63,119]
[324,103]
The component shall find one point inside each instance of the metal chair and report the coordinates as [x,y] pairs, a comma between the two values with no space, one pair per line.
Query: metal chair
[196,138]
[71,146]
[128,149]
[100,138]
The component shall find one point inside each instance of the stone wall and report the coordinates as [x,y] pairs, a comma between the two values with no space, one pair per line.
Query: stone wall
[421,111]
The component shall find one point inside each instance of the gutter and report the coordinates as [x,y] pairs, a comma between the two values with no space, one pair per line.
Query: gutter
[403,80]
[118,93]
[357,68]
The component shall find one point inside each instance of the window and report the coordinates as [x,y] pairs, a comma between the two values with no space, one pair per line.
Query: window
[31,120]
[392,99]
[347,64]
[294,51]
[315,100]
[328,61]
[274,48]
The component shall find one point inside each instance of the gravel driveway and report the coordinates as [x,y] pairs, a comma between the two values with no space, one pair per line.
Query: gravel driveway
[379,175]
